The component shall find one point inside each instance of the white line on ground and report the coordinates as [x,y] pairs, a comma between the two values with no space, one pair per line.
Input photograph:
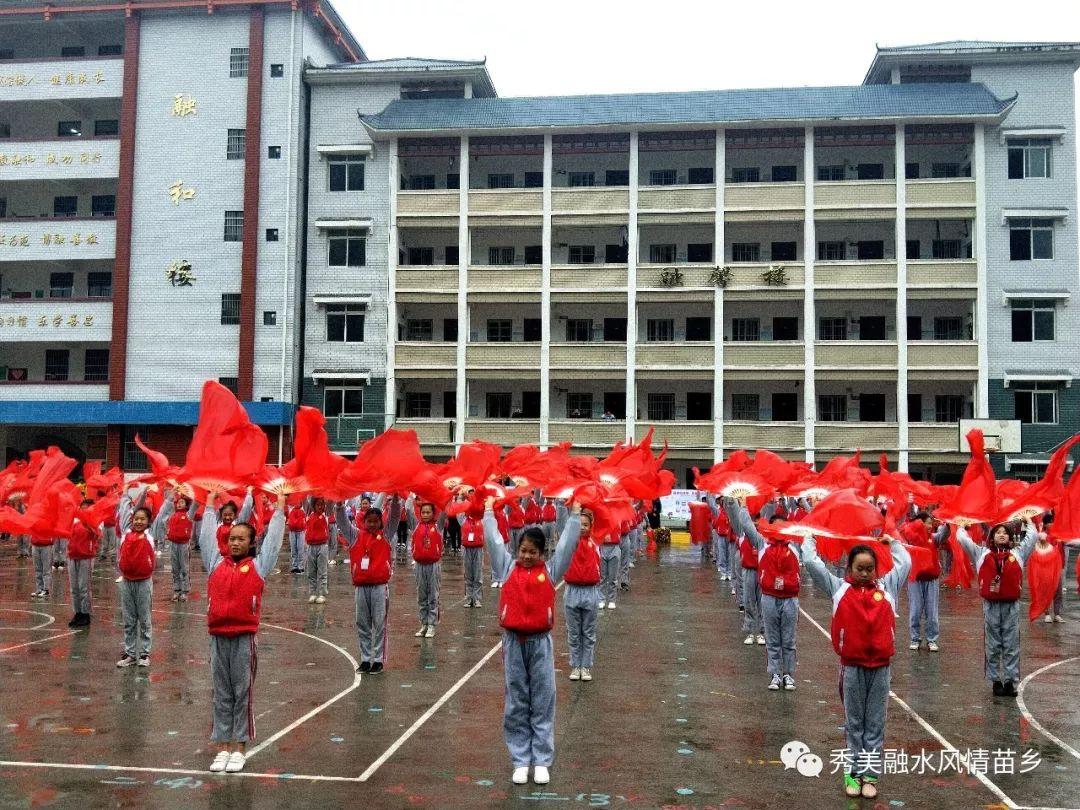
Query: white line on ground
[1035,724]
[49,619]
[39,641]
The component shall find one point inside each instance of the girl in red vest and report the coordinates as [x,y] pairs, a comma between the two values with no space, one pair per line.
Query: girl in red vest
[863,634]
[136,559]
[228,515]
[924,592]
[527,615]
[581,600]
[234,592]
[548,516]
[1000,570]
[316,537]
[427,549]
[82,548]
[504,532]
[472,541]
[296,523]
[178,531]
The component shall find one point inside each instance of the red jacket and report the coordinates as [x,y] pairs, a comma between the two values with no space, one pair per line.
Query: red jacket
[863,626]
[297,519]
[223,530]
[503,524]
[747,553]
[376,550]
[1001,564]
[611,539]
[317,531]
[778,570]
[721,525]
[83,544]
[472,533]
[41,542]
[532,513]
[179,528]
[547,513]
[234,598]
[427,543]
[516,516]
[136,558]
[527,600]
[915,534]
[585,564]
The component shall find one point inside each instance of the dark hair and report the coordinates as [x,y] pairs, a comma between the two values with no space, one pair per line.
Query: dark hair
[374,511]
[249,527]
[862,548]
[536,537]
[1008,527]
[146,509]
[226,505]
[922,514]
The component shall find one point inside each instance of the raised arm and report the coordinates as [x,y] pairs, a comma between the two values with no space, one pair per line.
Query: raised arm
[245,510]
[822,576]
[710,499]
[271,545]
[168,506]
[394,518]
[1027,545]
[500,557]
[974,551]
[893,580]
[562,514]
[744,525]
[345,526]
[567,545]
[208,536]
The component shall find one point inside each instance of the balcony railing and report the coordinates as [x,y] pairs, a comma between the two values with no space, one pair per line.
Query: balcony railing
[57,239]
[677,199]
[764,354]
[427,203]
[517,355]
[851,195]
[852,354]
[855,274]
[61,79]
[504,279]
[589,276]
[950,273]
[64,159]
[65,390]
[506,432]
[594,200]
[588,355]
[940,438]
[55,320]
[749,201]
[945,354]
[940,193]
[770,435]
[425,278]
[425,355]
[678,434]
[509,201]
[849,436]
[587,432]
[693,353]
[428,430]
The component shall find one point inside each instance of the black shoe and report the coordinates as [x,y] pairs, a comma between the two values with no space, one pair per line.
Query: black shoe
[1009,689]
[742,609]
[999,689]
[365,666]
[376,668]
[75,620]
[85,620]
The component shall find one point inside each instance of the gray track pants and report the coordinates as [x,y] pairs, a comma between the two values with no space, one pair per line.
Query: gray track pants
[135,605]
[180,562]
[626,556]
[108,543]
[780,618]
[23,545]
[42,556]
[580,604]
[923,603]
[610,557]
[751,593]
[233,662]
[372,605]
[1001,637]
[865,693]
[428,580]
[296,550]
[529,713]
[473,563]
[60,550]
[79,578]
[316,569]
[735,569]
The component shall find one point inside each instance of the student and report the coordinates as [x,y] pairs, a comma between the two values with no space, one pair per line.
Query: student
[626,554]
[472,541]
[427,549]
[234,591]
[527,615]
[178,531]
[924,592]
[515,521]
[999,567]
[316,537]
[863,635]
[136,559]
[41,548]
[371,566]
[610,558]
[721,529]
[82,549]
[295,523]
[227,516]
[59,556]
[752,624]
[581,600]
[548,515]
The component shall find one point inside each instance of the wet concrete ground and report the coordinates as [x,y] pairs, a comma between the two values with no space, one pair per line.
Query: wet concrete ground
[678,715]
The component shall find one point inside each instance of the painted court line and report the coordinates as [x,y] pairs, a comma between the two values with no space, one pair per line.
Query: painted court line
[39,641]
[49,619]
[1035,724]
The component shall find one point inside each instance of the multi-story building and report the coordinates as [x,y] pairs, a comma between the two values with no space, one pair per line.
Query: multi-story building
[150,190]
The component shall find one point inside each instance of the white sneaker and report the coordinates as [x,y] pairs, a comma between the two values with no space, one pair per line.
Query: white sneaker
[789,683]
[521,776]
[586,674]
[236,762]
[774,684]
[320,600]
[478,604]
[126,661]
[496,585]
[932,646]
[541,775]
[144,661]
[331,562]
[760,639]
[913,645]
[220,761]
[610,605]
[430,633]
[420,633]
[1048,619]
[749,639]
[1059,619]
[311,599]
[575,674]
[603,605]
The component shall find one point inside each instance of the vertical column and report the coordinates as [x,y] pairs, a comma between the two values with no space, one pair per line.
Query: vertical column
[394,181]
[249,250]
[809,310]
[545,300]
[982,390]
[902,415]
[718,299]
[631,293]
[464,257]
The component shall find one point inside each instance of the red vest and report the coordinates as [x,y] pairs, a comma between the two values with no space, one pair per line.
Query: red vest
[83,544]
[585,564]
[41,542]
[516,517]
[748,554]
[547,513]
[611,539]
[778,570]
[136,558]
[317,532]
[1001,564]
[532,513]
[721,525]
[427,543]
[234,598]
[527,600]
[915,534]
[472,533]
[377,551]
[179,528]
[223,538]
[297,519]
[863,626]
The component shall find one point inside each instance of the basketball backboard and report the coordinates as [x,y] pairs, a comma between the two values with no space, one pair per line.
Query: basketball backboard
[1001,435]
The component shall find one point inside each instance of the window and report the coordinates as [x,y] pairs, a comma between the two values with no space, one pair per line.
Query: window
[418,405]
[421,182]
[871,250]
[832,329]
[273,152]
[500,330]
[698,329]
[617,177]
[453,181]
[912,248]
[832,408]
[1029,158]
[873,327]
[269,317]
[745,252]
[449,330]
[659,329]
[56,365]
[110,50]
[701,176]
[534,254]
[785,328]
[832,251]
[947,249]
[500,180]
[346,248]
[345,323]
[234,226]
[578,330]
[1031,239]
[661,407]
[449,404]
[61,284]
[230,309]
[581,254]
[826,174]
[699,405]
[419,256]
[783,251]
[946,328]
[533,330]
[7,53]
[103,205]
[663,177]
[277,70]
[65,206]
[99,285]
[870,171]
[615,330]
[914,407]
[745,407]
[498,406]
[72,50]
[579,406]
[69,129]
[949,170]
[342,400]
[784,174]
[745,174]
[911,171]
[5,130]
[699,252]
[501,255]
[1032,320]
[238,63]
[96,367]
[581,179]
[106,127]
[452,255]
[616,254]
[914,327]
[871,407]
[948,407]
[1035,403]
[271,234]
[745,329]
[533,180]
[419,329]
[660,254]
[785,407]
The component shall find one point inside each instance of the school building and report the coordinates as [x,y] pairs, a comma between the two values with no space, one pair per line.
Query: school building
[811,270]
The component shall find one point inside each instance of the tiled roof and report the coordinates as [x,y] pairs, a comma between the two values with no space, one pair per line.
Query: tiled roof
[712,107]
[975,44]
[410,63]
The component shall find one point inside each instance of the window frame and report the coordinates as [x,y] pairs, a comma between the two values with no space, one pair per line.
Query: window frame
[1033,306]
[350,236]
[659,403]
[235,143]
[745,252]
[499,330]
[827,327]
[828,410]
[415,330]
[234,226]
[353,176]
[230,309]
[744,404]
[586,254]
[342,391]
[659,251]
[56,375]
[660,330]
[239,63]
[100,365]
[1026,147]
[1036,391]
[745,330]
[1032,226]
[663,177]
[414,404]
[348,315]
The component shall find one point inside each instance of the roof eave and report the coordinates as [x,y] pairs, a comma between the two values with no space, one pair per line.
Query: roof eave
[327,75]
[1058,52]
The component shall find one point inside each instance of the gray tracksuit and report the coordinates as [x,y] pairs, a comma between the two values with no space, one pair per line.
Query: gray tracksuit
[610,558]
[79,572]
[1001,620]
[923,597]
[750,585]
[529,661]
[297,550]
[372,602]
[180,557]
[22,544]
[42,556]
[719,542]
[472,561]
[626,556]
[136,595]
[864,690]
[428,578]
[234,659]
[580,603]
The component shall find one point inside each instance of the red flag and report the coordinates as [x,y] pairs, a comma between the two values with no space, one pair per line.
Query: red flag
[1043,495]
[1044,568]
[976,501]
[227,449]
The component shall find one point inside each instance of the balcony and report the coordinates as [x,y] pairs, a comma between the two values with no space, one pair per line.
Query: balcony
[505,281]
[608,355]
[946,359]
[856,354]
[852,275]
[770,435]
[429,431]
[67,159]
[505,201]
[675,355]
[939,438]
[62,79]
[55,320]
[749,202]
[586,432]
[850,436]
[427,279]
[512,356]
[765,354]
[431,204]
[590,200]
[427,355]
[506,432]
[690,435]
[57,239]
[67,391]
[855,199]
[676,199]
[932,199]
[951,273]
[651,276]
[589,276]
